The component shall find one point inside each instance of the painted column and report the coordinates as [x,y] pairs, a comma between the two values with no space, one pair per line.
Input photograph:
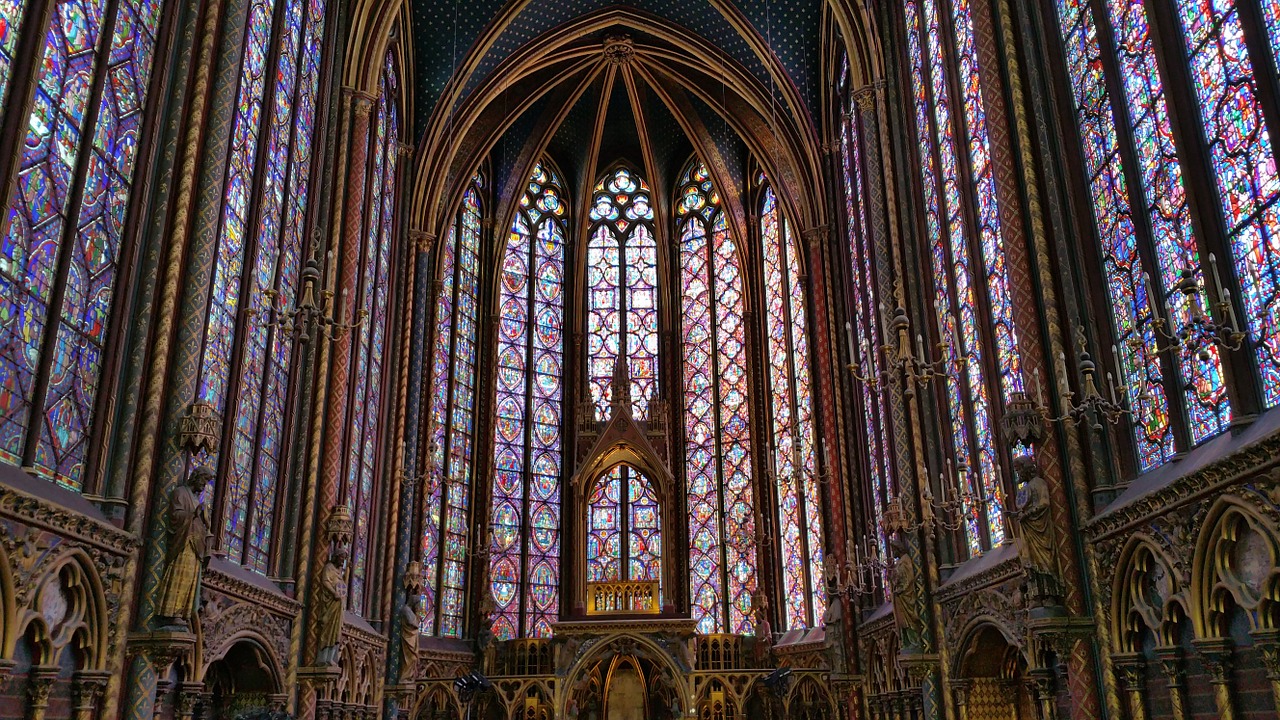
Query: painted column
[1268,644]
[1171,665]
[335,356]
[420,245]
[182,303]
[1129,673]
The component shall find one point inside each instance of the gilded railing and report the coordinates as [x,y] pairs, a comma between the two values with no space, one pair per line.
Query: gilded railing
[632,597]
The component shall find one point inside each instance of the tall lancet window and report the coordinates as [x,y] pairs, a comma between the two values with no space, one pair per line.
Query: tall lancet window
[722,531]
[62,233]
[525,554]
[790,410]
[260,248]
[976,332]
[1137,151]
[369,350]
[452,421]
[622,290]
[865,335]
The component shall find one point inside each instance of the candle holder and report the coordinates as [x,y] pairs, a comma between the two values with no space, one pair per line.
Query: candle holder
[1113,407]
[1200,329]
[918,368]
[308,315]
[862,566]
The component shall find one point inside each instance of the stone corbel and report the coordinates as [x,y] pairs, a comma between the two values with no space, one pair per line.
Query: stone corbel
[1215,654]
[1130,669]
[40,681]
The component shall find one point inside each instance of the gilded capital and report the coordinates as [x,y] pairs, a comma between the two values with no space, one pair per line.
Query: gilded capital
[363,102]
[422,240]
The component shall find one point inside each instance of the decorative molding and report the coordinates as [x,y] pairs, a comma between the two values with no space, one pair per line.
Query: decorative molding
[69,524]
[278,602]
[1255,459]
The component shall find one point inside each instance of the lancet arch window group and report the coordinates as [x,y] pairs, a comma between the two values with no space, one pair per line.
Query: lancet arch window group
[622,290]
[525,514]
[973,310]
[246,366]
[66,205]
[624,528]
[451,428]
[790,409]
[717,425]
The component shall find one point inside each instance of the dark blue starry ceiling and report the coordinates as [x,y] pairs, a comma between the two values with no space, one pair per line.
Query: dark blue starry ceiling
[444,31]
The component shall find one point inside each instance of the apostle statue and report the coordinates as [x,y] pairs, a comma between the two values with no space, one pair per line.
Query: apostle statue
[763,629]
[410,623]
[903,576]
[1035,531]
[330,602]
[190,543]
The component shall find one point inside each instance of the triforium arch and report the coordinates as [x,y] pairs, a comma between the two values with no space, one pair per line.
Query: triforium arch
[1236,566]
[1150,597]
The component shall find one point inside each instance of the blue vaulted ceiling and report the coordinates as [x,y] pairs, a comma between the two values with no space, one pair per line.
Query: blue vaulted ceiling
[445,30]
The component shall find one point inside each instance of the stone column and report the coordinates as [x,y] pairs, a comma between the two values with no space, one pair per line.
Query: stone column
[1215,653]
[1268,644]
[1171,665]
[1129,672]
[40,681]
[89,688]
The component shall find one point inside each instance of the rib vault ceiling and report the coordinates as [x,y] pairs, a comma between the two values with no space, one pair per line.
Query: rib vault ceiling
[589,82]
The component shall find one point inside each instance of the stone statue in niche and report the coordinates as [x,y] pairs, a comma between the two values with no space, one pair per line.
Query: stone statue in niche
[833,618]
[190,544]
[331,598]
[409,623]
[1035,534]
[903,577]
[331,591]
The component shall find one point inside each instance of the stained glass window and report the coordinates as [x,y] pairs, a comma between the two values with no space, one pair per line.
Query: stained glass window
[370,342]
[525,552]
[261,244]
[790,409]
[865,336]
[624,528]
[1243,159]
[11,12]
[622,290]
[1148,231]
[722,548]
[451,422]
[251,496]
[967,253]
[60,250]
